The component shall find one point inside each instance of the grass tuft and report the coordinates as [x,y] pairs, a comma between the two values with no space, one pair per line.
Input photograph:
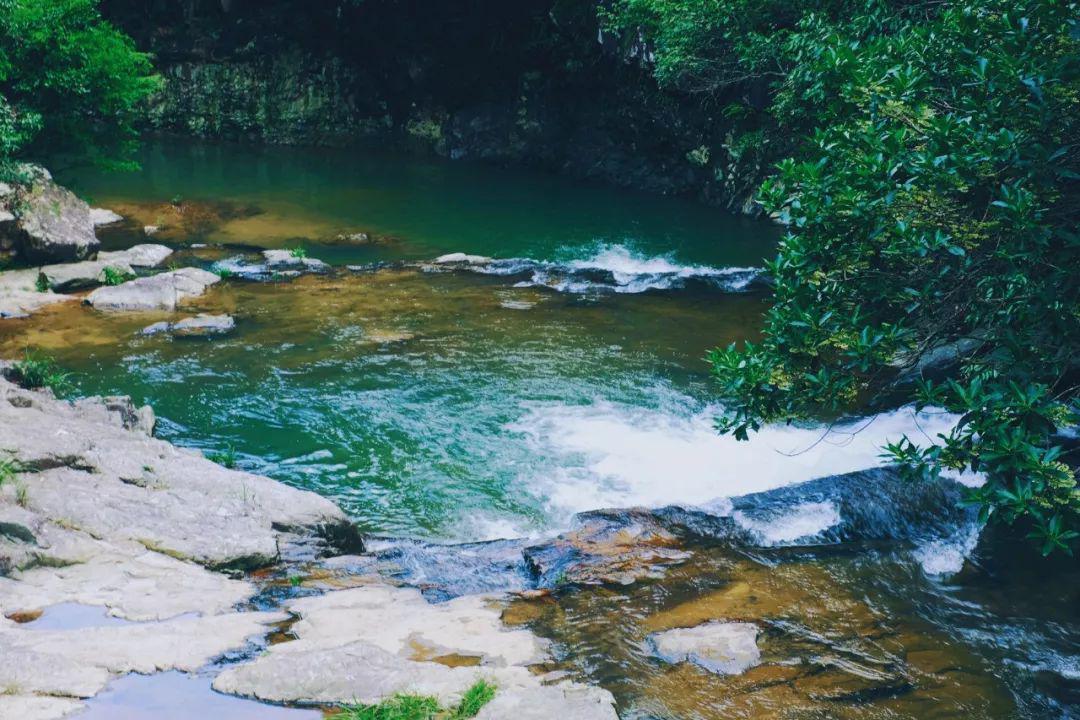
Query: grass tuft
[36,371]
[225,458]
[404,706]
[298,252]
[9,467]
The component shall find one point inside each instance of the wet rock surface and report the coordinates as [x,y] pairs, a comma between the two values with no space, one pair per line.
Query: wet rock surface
[607,547]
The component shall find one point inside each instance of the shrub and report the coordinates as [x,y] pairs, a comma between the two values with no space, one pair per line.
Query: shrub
[68,80]
[933,199]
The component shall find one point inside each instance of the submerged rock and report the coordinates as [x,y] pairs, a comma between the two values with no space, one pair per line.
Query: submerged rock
[44,222]
[367,643]
[197,326]
[157,292]
[607,547]
[725,648]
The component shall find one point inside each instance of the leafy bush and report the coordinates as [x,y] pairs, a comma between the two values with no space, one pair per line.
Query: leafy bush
[36,371]
[933,203]
[68,79]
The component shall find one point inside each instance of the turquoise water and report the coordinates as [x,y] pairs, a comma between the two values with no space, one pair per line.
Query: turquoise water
[429,404]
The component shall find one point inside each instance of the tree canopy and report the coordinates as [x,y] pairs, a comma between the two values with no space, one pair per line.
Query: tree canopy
[932,200]
[68,80]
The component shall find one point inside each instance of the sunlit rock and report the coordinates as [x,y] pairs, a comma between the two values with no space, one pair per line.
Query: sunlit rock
[725,648]
[157,292]
[364,644]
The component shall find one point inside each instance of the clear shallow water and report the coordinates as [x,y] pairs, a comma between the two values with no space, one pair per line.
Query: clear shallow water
[466,404]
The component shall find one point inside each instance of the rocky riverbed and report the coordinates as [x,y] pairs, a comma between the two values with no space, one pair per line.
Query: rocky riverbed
[96,512]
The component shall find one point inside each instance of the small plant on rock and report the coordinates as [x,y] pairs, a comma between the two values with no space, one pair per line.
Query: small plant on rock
[115,276]
[41,284]
[36,371]
[22,494]
[405,706]
[298,252]
[8,469]
[225,458]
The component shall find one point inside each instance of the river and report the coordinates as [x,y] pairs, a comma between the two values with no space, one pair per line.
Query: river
[560,370]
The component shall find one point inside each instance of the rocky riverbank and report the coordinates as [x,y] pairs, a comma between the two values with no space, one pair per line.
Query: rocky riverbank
[96,512]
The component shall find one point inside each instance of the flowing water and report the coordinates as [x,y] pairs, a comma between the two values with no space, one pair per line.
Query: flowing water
[553,364]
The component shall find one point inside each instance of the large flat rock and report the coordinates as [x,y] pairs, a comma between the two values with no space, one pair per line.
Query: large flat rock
[364,644]
[79,663]
[158,292]
[19,296]
[118,484]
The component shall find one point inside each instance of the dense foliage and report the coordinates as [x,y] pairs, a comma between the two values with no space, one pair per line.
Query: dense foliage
[68,80]
[934,215]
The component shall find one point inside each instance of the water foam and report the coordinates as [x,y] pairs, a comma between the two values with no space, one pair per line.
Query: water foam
[609,268]
[802,522]
[615,455]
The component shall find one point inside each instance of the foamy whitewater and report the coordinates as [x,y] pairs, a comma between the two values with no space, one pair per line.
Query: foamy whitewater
[614,455]
[610,268]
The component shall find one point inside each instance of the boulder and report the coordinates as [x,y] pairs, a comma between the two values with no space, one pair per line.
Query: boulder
[46,223]
[279,260]
[197,326]
[68,277]
[157,292]
[724,648]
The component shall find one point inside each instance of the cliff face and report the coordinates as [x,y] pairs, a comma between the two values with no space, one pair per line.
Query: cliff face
[533,83]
